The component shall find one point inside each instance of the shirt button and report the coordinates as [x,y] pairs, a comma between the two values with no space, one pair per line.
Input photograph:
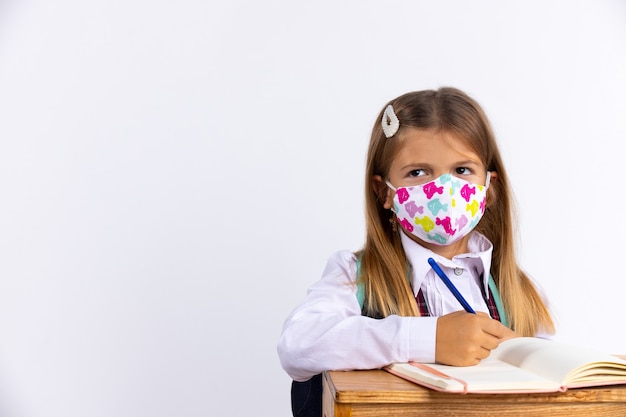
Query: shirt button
[458,271]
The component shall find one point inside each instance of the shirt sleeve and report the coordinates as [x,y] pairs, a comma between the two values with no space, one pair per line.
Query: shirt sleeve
[328,332]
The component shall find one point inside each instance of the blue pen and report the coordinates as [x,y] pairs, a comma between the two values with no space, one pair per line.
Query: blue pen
[450,286]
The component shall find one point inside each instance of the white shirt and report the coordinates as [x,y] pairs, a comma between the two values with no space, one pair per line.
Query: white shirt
[328,332]
[468,272]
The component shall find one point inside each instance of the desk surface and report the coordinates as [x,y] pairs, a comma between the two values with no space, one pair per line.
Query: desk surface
[378,393]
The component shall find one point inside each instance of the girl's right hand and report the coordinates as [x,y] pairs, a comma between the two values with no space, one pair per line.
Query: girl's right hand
[464,339]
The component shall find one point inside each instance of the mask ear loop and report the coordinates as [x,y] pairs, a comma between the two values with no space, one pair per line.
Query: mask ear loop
[488,181]
[391,186]
[393,220]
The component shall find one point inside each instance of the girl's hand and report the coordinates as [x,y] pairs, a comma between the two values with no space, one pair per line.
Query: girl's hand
[508,334]
[465,339]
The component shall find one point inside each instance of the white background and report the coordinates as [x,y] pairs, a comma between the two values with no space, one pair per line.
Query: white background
[174,175]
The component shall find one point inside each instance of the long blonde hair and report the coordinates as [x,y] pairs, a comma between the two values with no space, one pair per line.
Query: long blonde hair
[383,264]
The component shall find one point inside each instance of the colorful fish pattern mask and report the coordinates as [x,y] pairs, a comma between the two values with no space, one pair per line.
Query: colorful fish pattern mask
[441,211]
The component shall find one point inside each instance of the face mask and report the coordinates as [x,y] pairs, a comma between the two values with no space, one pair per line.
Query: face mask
[441,211]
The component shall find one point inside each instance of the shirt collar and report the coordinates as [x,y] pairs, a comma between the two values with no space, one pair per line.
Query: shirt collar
[479,248]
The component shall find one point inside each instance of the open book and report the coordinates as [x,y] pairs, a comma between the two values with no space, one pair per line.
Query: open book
[524,364]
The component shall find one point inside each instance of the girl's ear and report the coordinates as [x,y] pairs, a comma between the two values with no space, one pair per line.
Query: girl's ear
[382,191]
[492,195]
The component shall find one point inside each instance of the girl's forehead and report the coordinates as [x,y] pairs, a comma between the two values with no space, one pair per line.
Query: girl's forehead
[431,146]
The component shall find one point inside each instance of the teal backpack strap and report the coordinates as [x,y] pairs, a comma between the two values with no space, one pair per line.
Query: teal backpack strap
[360,291]
[498,301]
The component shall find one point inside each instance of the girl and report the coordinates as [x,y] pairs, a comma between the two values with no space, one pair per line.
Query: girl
[436,188]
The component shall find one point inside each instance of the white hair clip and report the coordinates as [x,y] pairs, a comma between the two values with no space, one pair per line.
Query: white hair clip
[390,122]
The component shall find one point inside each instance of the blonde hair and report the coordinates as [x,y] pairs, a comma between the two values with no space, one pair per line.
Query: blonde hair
[383,263]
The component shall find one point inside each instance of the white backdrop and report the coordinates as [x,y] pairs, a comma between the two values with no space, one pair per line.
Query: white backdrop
[174,175]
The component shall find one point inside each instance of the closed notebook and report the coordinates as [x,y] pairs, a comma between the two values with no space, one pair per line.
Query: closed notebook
[519,365]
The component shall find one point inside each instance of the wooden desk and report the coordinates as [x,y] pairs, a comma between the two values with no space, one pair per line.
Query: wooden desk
[378,393]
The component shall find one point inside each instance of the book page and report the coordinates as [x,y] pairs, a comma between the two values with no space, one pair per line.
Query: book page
[557,361]
[492,375]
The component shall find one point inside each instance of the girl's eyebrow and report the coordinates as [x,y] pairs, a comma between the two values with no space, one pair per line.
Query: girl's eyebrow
[468,162]
[416,165]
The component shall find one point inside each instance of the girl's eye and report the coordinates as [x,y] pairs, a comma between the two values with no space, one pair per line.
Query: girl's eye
[416,173]
[463,171]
